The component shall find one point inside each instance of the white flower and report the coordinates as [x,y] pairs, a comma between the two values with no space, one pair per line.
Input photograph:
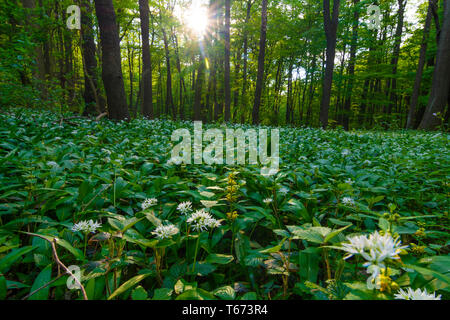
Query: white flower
[410,294]
[149,203]
[267,201]
[348,201]
[185,207]
[349,181]
[202,220]
[374,249]
[345,152]
[86,226]
[284,190]
[165,231]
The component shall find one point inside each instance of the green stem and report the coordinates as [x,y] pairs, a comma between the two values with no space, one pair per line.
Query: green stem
[195,256]
[85,243]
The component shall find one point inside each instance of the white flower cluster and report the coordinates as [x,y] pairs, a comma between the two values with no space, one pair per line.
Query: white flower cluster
[202,220]
[149,203]
[165,231]
[185,207]
[374,249]
[86,226]
[348,201]
[410,294]
[267,201]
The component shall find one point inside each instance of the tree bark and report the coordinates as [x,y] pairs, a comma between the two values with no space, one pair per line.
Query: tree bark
[147,79]
[92,100]
[351,66]
[261,59]
[199,89]
[419,74]
[169,97]
[111,61]
[331,25]
[440,88]
[227,61]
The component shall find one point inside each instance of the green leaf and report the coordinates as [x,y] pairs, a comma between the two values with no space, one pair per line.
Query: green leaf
[162,294]
[275,249]
[196,294]
[249,296]
[429,272]
[225,293]
[128,285]
[43,278]
[202,268]
[383,224]
[12,257]
[3,288]
[139,294]
[63,243]
[333,234]
[219,258]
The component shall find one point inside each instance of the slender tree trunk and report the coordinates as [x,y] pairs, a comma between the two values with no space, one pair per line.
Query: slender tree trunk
[261,59]
[392,82]
[198,90]
[181,84]
[91,92]
[227,61]
[351,66]
[289,119]
[169,98]
[111,60]
[440,88]
[331,24]
[147,79]
[130,71]
[244,72]
[420,68]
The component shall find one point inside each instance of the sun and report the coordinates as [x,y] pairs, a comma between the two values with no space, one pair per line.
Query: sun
[196,19]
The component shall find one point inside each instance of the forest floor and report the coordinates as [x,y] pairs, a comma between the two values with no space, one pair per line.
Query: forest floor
[238,234]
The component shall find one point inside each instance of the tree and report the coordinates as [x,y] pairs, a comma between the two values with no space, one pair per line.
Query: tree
[392,81]
[261,59]
[440,88]
[420,67]
[199,89]
[93,103]
[227,60]
[331,24]
[351,66]
[111,60]
[244,80]
[147,79]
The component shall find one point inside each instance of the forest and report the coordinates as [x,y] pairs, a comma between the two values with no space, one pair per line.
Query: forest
[95,205]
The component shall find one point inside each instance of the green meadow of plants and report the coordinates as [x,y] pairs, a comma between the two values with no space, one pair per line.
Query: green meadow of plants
[237,234]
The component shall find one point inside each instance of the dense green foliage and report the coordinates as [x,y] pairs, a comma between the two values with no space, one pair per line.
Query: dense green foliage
[331,184]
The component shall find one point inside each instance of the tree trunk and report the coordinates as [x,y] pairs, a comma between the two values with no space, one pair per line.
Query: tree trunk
[351,66]
[198,90]
[392,82]
[440,88]
[169,98]
[147,79]
[111,60]
[91,91]
[419,74]
[227,61]
[244,75]
[261,59]
[331,25]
